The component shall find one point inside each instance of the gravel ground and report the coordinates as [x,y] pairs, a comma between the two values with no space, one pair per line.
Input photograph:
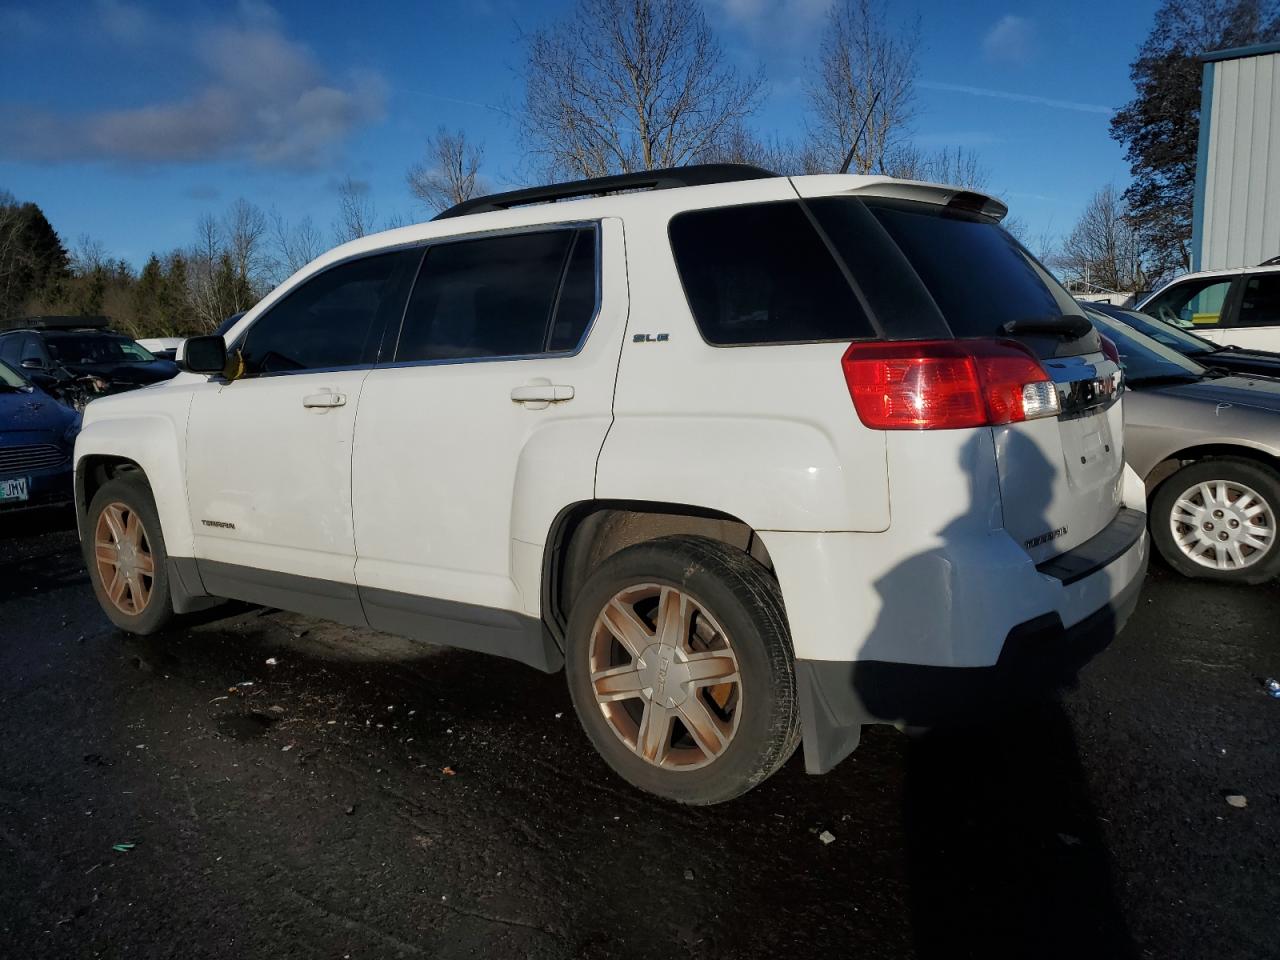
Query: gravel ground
[363,796]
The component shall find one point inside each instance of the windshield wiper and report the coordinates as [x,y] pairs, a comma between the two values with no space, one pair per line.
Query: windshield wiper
[1070,325]
[1185,377]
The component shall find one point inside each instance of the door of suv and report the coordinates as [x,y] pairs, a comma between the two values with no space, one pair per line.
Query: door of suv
[1256,323]
[487,423]
[269,453]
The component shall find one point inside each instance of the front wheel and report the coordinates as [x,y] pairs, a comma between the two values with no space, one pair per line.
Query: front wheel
[124,551]
[681,670]
[1216,519]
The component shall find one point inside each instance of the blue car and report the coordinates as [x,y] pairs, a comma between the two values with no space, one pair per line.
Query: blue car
[37,438]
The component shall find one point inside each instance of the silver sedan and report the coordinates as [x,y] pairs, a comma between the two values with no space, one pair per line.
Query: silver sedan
[1207,443]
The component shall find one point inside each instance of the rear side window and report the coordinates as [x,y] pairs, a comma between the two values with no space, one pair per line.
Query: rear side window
[760,273]
[335,319]
[1260,305]
[975,271]
[1196,303]
[508,296]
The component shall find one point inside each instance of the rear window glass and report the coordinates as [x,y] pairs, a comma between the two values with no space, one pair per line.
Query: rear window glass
[760,273]
[979,276]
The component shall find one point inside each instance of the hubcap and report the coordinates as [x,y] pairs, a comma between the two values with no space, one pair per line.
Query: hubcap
[665,676]
[126,567]
[1223,525]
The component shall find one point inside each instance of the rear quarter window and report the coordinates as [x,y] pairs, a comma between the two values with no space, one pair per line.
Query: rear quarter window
[759,274]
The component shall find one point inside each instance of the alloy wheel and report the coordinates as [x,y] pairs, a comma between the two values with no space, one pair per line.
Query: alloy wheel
[126,566]
[665,676]
[1223,525]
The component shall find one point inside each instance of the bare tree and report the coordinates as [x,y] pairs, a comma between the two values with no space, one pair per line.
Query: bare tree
[88,255]
[447,173]
[739,144]
[295,245]
[356,212]
[956,166]
[1043,245]
[629,85]
[864,83]
[244,229]
[1105,249]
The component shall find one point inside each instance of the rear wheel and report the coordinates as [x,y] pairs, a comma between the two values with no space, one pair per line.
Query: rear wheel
[124,551]
[681,669]
[1216,519]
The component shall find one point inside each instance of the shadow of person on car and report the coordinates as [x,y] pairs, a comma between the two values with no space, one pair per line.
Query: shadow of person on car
[1005,856]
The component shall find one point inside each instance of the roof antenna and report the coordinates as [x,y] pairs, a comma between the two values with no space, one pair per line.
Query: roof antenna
[848,157]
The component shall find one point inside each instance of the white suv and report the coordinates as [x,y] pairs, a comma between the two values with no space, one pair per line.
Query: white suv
[756,459]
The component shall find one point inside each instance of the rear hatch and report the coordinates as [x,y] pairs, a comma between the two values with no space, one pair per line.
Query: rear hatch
[935,271]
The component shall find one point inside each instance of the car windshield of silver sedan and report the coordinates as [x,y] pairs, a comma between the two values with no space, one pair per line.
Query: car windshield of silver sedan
[1143,358]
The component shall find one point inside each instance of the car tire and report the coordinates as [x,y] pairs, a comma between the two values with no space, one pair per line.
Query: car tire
[1196,509]
[124,550]
[681,669]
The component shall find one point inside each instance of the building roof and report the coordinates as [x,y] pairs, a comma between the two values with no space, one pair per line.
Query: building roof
[1237,53]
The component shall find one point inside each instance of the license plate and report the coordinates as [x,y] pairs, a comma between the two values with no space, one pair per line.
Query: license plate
[13,489]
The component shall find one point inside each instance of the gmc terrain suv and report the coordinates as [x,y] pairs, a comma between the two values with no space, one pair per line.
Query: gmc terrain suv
[757,459]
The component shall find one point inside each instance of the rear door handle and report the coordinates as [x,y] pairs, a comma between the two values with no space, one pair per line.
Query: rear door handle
[538,395]
[324,401]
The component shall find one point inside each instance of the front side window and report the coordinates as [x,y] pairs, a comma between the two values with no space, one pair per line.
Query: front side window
[11,349]
[334,319]
[760,273]
[516,295]
[1260,305]
[1196,303]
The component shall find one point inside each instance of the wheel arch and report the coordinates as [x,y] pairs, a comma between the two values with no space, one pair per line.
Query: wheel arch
[1175,461]
[585,534]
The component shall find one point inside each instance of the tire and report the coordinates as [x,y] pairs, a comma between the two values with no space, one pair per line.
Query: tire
[734,632]
[143,605]
[1245,481]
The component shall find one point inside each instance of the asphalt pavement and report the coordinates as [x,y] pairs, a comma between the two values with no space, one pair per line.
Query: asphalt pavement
[257,784]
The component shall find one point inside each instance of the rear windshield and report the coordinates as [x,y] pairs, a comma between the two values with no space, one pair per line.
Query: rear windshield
[1185,343]
[1144,358]
[979,275]
[761,273]
[94,348]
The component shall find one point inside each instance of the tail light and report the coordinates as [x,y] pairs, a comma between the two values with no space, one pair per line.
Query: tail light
[1109,348]
[947,384]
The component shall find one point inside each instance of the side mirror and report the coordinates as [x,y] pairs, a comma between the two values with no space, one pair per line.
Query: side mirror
[33,363]
[202,354]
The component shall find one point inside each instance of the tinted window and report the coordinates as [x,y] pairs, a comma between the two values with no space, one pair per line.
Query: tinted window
[578,295]
[1260,305]
[9,376]
[94,348]
[761,274]
[1185,343]
[1142,357]
[11,349]
[1196,303]
[979,276]
[332,320]
[494,297]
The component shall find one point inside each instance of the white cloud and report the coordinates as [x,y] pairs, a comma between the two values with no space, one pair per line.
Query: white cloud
[1010,40]
[123,21]
[262,98]
[787,21]
[1019,97]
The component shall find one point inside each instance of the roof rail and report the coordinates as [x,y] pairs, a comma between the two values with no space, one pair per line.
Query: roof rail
[692,176]
[49,322]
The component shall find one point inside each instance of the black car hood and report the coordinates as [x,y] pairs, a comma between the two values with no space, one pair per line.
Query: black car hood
[1259,393]
[150,371]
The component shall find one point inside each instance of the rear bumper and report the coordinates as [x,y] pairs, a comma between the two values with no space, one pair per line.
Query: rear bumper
[1103,577]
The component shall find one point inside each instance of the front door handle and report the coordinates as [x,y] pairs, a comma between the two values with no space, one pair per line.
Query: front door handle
[323,401]
[540,394]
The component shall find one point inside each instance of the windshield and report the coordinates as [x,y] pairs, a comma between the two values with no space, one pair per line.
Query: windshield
[1188,344]
[978,274]
[1144,358]
[10,378]
[94,348]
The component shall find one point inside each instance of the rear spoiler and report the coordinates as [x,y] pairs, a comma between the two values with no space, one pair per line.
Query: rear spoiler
[827,185]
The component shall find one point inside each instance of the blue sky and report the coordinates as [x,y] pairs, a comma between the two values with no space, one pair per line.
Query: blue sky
[126,121]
